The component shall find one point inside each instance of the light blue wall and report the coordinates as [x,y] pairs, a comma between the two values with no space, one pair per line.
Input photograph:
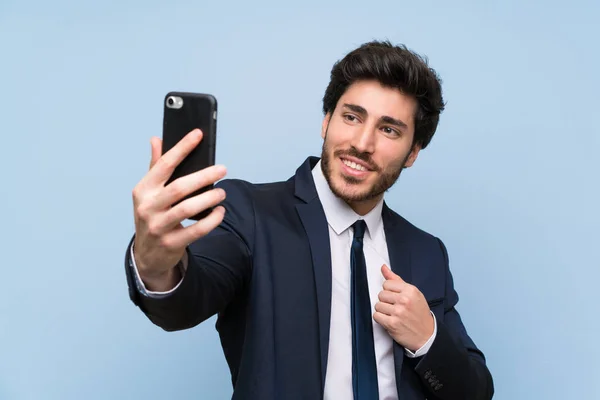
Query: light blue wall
[510,181]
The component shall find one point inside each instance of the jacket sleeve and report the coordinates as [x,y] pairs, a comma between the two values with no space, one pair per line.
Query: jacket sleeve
[219,268]
[454,368]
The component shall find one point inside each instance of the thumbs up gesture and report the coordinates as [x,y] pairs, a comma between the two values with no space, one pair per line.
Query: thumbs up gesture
[403,311]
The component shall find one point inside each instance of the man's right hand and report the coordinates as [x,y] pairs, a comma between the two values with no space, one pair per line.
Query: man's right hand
[160,238]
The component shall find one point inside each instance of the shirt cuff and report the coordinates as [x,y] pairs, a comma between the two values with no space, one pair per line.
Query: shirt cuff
[425,348]
[140,284]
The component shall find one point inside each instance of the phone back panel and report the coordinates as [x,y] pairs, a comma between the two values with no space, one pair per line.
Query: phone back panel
[195,111]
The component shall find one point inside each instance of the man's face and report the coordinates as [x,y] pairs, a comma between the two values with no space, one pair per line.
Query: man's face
[367,141]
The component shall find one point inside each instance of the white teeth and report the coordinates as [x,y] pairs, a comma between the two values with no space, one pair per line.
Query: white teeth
[354,165]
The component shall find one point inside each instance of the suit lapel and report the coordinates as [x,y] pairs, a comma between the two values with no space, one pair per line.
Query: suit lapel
[399,253]
[315,224]
[313,220]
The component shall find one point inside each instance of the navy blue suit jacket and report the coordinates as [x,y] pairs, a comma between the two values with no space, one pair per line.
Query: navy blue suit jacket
[266,272]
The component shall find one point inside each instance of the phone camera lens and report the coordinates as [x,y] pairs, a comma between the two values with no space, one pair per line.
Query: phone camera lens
[174,102]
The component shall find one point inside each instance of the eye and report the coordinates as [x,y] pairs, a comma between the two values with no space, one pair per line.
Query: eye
[350,118]
[390,131]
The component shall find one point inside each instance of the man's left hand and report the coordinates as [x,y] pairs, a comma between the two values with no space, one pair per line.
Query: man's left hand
[403,311]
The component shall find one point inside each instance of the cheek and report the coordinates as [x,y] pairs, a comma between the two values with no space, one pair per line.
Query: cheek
[339,133]
[388,158]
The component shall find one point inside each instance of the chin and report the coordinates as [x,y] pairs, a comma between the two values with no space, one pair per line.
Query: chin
[348,191]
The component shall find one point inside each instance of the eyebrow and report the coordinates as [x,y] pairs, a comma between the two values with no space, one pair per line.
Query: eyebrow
[386,119]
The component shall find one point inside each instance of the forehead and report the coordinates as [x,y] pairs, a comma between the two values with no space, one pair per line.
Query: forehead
[380,101]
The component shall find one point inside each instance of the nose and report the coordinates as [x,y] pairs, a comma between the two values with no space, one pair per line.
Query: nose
[364,139]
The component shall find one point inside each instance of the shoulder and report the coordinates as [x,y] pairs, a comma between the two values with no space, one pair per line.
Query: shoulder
[424,245]
[246,202]
[247,197]
[413,233]
[242,189]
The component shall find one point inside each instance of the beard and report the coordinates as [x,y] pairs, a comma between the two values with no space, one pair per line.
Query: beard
[386,178]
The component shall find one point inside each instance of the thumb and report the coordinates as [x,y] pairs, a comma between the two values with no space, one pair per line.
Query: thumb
[156,146]
[389,274]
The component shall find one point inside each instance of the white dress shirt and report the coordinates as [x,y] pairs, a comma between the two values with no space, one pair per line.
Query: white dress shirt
[340,218]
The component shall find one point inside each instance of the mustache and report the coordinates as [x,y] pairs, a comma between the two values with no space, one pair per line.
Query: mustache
[353,152]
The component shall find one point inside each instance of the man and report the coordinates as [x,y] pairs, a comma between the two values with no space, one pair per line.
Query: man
[321,290]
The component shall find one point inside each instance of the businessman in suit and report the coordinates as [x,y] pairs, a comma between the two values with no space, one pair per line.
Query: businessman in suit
[321,290]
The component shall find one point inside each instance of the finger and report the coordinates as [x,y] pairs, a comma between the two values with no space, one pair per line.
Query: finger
[166,164]
[181,187]
[382,319]
[192,206]
[389,297]
[389,274]
[189,234]
[394,286]
[156,147]
[384,308]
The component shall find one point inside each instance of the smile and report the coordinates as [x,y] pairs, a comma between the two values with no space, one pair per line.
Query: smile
[354,165]
[354,169]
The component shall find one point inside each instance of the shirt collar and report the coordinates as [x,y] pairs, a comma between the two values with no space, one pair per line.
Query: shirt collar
[339,214]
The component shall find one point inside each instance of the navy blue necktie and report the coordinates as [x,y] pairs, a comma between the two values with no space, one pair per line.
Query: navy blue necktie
[364,367]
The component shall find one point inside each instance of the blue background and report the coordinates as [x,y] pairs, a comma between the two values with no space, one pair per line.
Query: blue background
[510,181]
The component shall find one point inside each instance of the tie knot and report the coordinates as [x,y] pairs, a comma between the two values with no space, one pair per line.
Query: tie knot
[359,229]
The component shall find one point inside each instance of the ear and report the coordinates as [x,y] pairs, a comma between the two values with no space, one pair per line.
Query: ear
[325,125]
[412,157]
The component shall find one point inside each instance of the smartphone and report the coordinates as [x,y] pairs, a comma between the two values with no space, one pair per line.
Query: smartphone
[184,112]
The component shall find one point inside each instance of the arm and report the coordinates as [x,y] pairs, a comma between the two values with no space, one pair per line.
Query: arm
[454,368]
[219,265]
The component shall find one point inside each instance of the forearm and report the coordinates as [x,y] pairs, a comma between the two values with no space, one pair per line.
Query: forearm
[215,270]
[179,307]
[451,371]
[454,368]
